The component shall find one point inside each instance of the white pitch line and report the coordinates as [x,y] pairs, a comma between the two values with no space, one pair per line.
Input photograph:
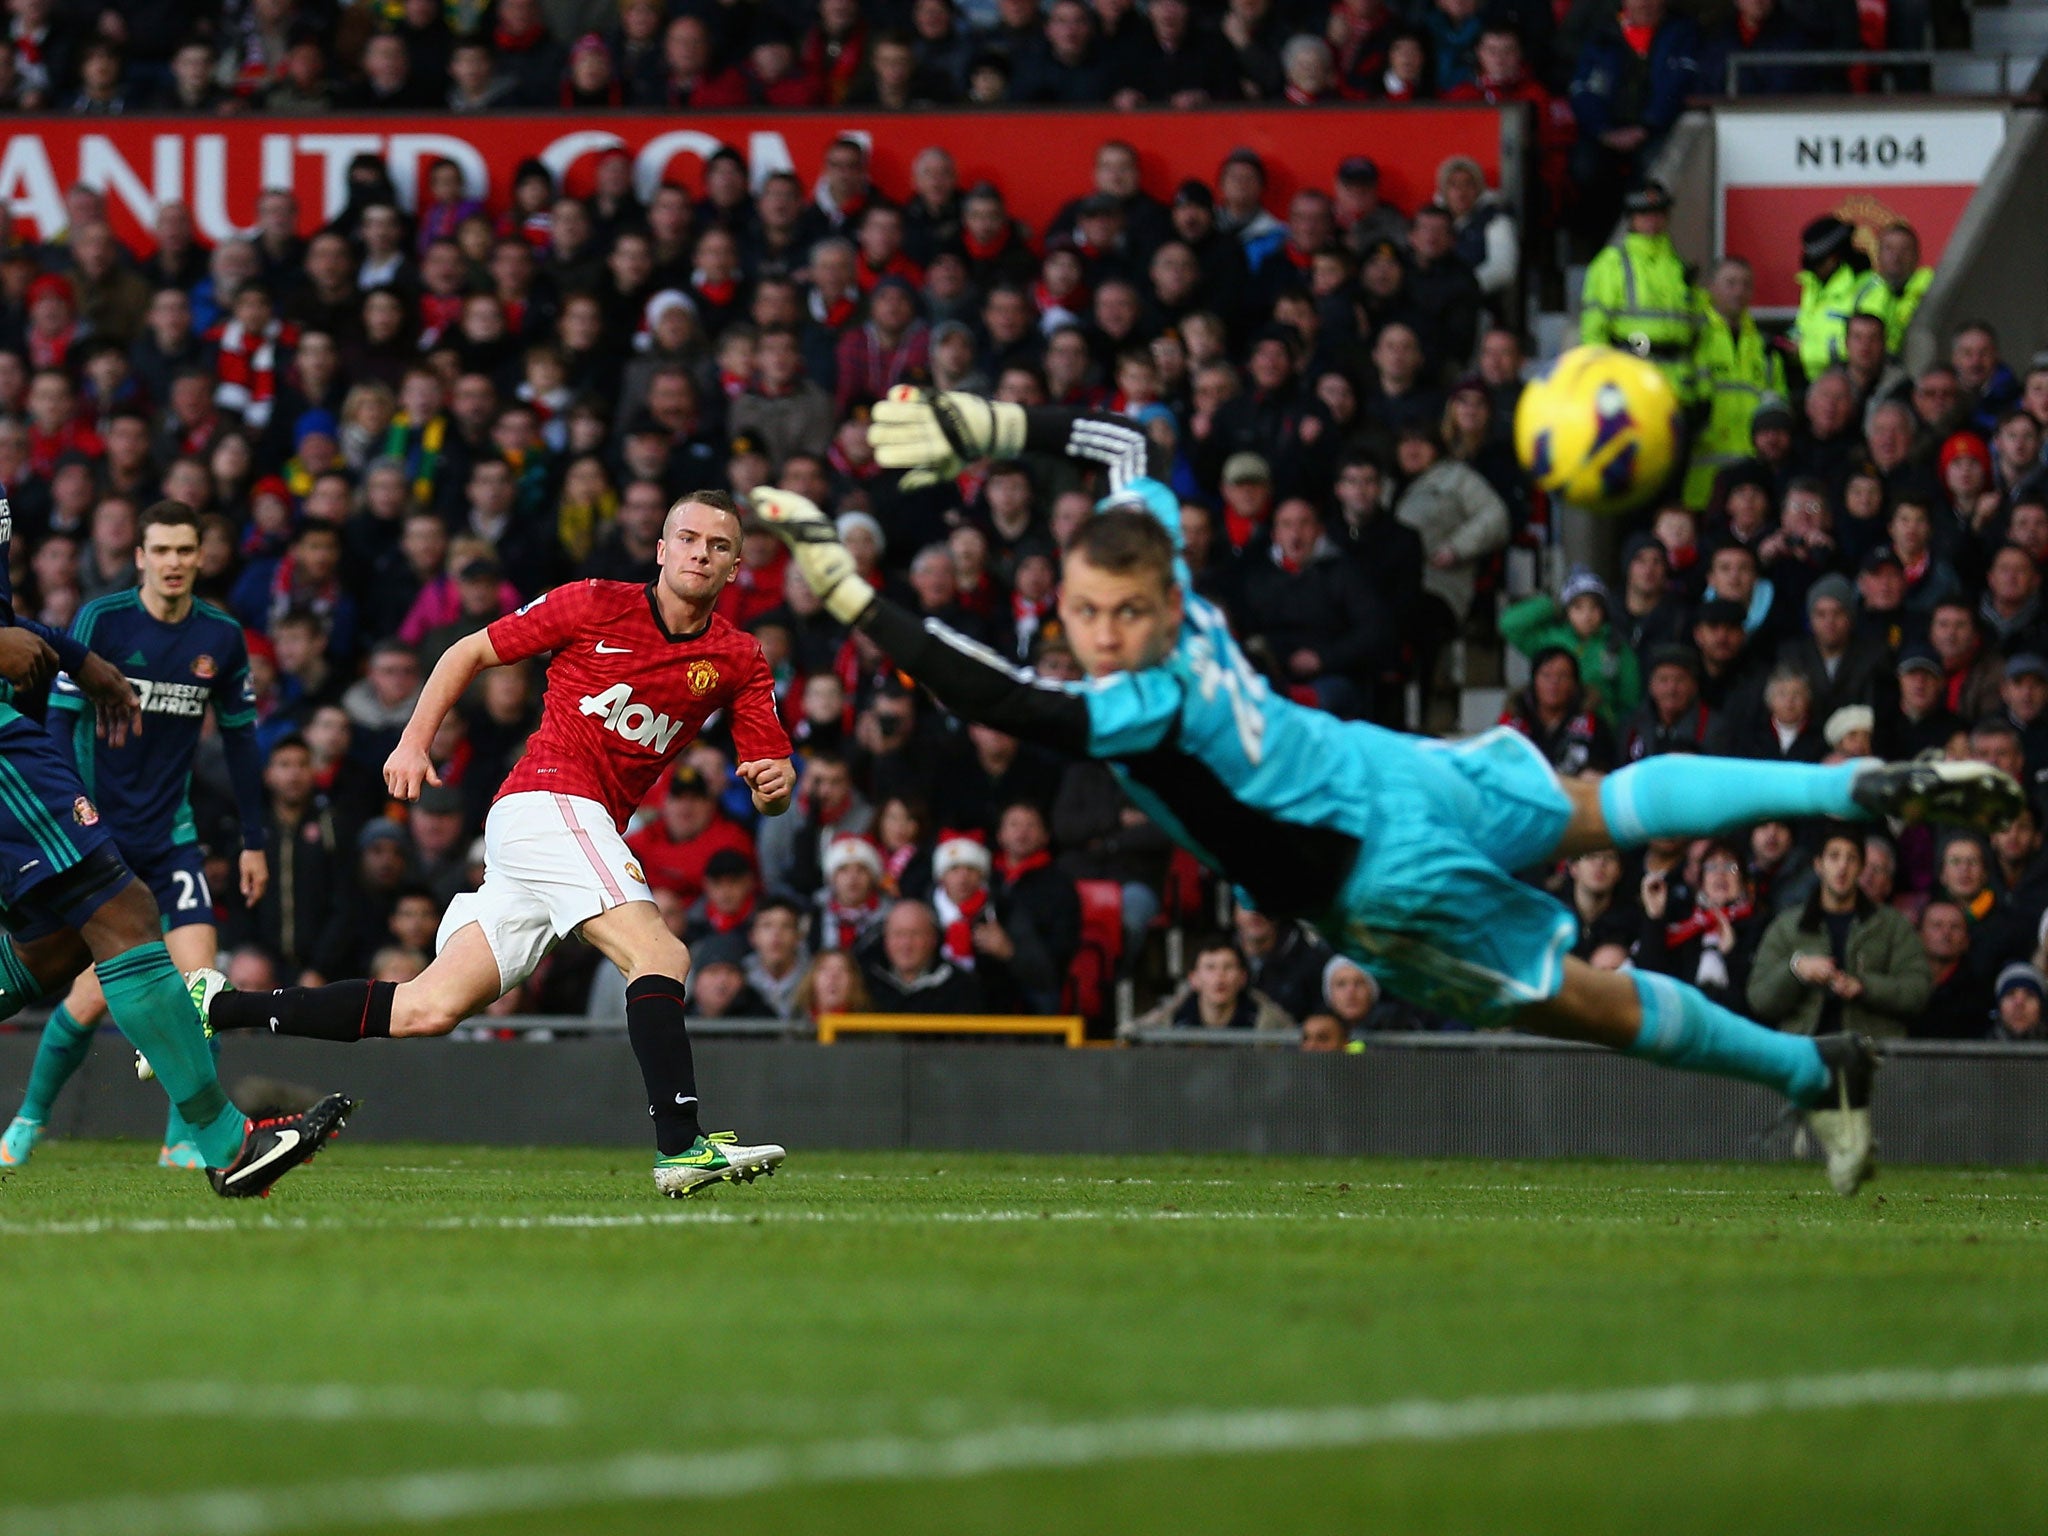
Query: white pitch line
[320,1403]
[770,1215]
[426,1498]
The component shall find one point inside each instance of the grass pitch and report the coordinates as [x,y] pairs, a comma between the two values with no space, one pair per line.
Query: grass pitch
[477,1340]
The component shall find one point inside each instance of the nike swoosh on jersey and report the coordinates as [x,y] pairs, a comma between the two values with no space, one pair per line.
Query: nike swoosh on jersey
[287,1142]
[612,650]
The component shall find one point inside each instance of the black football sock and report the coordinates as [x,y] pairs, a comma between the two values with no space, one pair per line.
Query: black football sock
[654,1023]
[346,1010]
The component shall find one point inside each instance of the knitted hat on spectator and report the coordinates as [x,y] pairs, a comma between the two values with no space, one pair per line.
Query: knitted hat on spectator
[2020,974]
[1964,445]
[321,422]
[846,522]
[1850,717]
[1722,610]
[1831,585]
[946,329]
[957,850]
[1826,236]
[271,485]
[51,285]
[659,305]
[1359,171]
[1583,583]
[1338,963]
[852,849]
[1247,469]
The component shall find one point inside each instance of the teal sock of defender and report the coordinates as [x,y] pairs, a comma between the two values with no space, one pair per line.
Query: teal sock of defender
[1682,1028]
[63,1049]
[150,1005]
[176,1127]
[1681,795]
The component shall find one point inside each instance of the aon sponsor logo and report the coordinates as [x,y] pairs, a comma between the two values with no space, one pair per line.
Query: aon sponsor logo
[636,722]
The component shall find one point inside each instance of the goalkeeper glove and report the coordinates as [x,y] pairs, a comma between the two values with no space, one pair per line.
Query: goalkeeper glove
[814,545]
[936,434]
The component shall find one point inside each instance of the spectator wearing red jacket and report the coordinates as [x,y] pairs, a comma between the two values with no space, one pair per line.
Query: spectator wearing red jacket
[674,848]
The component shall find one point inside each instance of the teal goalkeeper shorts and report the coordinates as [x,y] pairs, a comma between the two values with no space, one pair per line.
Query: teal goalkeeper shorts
[1433,908]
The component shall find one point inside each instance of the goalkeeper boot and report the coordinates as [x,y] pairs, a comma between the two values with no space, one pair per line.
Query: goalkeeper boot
[711,1159]
[1840,1119]
[1967,794]
[18,1145]
[272,1148]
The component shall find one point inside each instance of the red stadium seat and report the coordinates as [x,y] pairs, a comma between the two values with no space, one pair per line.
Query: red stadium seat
[1091,985]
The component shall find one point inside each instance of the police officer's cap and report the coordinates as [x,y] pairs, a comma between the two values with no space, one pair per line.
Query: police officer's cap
[1650,197]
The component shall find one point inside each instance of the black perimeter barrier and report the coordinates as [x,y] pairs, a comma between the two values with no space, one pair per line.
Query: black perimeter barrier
[1487,1096]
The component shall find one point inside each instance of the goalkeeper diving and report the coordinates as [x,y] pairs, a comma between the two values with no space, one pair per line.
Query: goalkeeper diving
[1399,850]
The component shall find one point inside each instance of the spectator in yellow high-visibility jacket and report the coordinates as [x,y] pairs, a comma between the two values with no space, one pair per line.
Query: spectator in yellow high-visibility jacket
[1893,290]
[1640,297]
[1831,276]
[1736,368]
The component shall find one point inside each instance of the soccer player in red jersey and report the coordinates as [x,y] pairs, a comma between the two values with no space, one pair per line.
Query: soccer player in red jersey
[636,672]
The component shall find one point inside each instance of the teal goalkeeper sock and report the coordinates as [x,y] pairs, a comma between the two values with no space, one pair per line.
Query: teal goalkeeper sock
[1682,1028]
[152,1008]
[1680,795]
[63,1049]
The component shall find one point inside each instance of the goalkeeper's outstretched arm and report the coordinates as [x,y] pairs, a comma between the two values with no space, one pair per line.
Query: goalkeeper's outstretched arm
[975,683]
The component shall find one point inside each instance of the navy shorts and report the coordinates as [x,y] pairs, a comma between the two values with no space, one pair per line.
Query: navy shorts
[48,827]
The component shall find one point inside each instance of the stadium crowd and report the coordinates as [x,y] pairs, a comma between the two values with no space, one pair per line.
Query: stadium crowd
[403,426]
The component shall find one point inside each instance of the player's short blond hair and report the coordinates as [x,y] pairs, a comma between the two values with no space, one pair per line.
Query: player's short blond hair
[717,501]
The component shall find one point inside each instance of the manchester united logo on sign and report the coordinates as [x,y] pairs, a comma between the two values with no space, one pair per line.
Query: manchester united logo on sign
[702,676]
[83,812]
[203,667]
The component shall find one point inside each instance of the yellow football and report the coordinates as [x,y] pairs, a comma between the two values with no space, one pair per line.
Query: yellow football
[1600,429]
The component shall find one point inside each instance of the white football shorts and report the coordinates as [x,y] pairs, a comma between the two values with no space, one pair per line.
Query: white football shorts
[551,863]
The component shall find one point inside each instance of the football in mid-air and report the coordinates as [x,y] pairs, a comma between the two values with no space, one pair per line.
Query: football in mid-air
[1599,430]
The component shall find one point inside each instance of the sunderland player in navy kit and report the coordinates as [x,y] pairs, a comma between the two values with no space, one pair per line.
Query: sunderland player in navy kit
[67,900]
[184,657]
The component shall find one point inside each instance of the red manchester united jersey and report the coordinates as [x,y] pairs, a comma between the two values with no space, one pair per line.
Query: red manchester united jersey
[625,696]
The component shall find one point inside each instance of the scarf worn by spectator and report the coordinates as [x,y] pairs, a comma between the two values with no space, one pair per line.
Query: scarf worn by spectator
[286,595]
[844,926]
[247,367]
[726,922]
[1010,870]
[957,920]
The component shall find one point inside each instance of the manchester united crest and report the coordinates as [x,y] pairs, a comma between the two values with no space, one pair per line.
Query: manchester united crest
[203,667]
[634,870]
[701,676]
[84,812]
